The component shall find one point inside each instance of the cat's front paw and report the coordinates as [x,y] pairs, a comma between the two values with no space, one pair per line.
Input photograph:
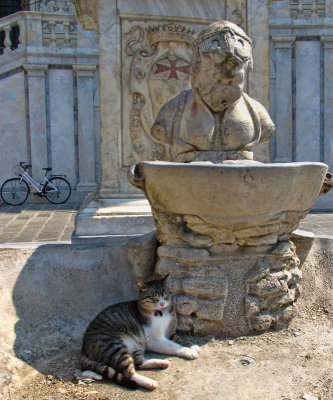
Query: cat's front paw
[188,352]
[196,348]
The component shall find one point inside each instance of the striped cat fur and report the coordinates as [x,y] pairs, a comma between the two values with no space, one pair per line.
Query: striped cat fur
[115,341]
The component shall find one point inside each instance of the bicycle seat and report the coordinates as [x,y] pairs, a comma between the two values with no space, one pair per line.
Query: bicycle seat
[47,169]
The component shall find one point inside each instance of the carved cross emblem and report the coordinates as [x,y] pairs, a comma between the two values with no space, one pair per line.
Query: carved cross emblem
[185,69]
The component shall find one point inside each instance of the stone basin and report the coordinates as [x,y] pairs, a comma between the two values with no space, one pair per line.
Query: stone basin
[224,239]
[235,193]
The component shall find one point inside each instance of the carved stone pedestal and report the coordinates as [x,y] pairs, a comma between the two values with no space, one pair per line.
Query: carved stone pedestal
[230,295]
[224,233]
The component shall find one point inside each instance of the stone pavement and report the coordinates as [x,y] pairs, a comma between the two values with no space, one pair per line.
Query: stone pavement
[37,222]
[46,222]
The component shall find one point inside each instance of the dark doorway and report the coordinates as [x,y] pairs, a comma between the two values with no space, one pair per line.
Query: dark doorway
[8,7]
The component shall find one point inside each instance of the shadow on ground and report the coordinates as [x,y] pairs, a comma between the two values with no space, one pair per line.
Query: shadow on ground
[57,289]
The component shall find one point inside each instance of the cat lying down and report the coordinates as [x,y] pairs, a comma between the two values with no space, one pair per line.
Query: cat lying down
[115,341]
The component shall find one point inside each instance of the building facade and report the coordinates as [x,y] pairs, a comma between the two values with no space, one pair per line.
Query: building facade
[49,77]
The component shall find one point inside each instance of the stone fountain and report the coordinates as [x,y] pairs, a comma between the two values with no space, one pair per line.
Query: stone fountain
[224,220]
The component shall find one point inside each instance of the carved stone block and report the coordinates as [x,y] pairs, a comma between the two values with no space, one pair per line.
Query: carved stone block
[156,66]
[272,288]
[236,294]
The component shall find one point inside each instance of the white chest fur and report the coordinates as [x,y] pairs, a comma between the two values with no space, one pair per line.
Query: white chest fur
[158,327]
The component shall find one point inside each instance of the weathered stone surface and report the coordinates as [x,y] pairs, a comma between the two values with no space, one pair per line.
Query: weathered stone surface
[184,324]
[205,327]
[253,213]
[209,288]
[214,291]
[142,255]
[211,309]
[214,121]
[272,287]
[186,305]
[221,197]
[188,254]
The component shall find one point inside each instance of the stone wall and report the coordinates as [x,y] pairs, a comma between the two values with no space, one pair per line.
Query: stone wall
[49,110]
[13,137]
[301,82]
[153,44]
[141,78]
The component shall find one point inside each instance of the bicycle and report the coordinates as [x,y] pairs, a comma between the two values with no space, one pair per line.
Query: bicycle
[15,191]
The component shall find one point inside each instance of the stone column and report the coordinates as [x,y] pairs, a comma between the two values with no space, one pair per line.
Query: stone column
[258,80]
[258,30]
[328,100]
[85,115]
[307,101]
[283,100]
[325,202]
[110,96]
[37,116]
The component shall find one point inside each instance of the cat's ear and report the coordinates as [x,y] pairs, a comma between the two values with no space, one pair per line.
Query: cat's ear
[165,278]
[141,286]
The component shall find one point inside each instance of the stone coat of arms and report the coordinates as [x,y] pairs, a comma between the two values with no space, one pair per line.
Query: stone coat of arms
[158,70]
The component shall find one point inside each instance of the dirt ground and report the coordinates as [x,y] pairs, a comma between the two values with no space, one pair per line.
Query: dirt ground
[294,364]
[285,365]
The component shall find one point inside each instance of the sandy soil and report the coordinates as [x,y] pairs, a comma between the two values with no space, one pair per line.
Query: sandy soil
[295,364]
[285,365]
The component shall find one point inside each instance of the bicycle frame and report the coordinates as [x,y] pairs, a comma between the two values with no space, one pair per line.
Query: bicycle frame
[31,182]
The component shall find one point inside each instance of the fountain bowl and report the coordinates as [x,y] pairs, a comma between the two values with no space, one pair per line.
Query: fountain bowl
[229,190]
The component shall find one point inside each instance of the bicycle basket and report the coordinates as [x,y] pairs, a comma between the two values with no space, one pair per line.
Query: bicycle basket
[18,170]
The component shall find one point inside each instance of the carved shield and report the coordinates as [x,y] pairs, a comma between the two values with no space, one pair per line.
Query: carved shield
[158,69]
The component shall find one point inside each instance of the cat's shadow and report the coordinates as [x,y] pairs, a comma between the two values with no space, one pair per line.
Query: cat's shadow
[56,296]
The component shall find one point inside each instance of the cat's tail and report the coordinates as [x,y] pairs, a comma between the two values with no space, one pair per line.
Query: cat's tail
[106,372]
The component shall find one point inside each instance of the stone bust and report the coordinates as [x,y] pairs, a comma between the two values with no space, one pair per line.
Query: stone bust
[215,120]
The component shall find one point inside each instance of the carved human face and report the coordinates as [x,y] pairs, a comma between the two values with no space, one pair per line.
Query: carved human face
[223,68]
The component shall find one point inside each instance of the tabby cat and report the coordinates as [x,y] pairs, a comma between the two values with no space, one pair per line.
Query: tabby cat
[115,341]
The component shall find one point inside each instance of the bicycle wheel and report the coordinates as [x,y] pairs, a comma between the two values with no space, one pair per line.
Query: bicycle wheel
[14,191]
[1,201]
[58,190]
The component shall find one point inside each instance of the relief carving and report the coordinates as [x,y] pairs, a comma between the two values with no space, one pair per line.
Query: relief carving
[300,9]
[159,70]
[57,6]
[59,34]
[272,288]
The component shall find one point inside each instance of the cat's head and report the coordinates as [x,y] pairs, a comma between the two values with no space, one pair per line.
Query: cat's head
[154,295]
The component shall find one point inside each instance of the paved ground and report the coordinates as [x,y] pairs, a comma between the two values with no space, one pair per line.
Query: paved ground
[39,222]
[321,224]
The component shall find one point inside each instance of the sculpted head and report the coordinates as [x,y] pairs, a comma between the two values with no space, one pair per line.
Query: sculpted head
[222,57]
